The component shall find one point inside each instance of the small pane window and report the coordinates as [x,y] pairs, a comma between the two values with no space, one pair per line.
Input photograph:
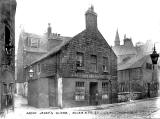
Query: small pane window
[93,63]
[105,64]
[80,59]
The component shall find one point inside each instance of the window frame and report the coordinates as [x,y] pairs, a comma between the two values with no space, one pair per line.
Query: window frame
[79,61]
[93,63]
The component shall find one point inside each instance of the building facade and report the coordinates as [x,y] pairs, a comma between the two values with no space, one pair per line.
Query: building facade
[135,71]
[30,48]
[7,52]
[139,77]
[80,71]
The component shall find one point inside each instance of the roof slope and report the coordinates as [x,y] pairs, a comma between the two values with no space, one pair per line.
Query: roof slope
[123,50]
[134,62]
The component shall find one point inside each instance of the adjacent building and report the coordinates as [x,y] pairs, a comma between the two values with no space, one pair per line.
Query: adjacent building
[7,52]
[135,70]
[30,48]
[79,71]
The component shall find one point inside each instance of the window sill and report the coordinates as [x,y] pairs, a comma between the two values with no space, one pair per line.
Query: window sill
[80,68]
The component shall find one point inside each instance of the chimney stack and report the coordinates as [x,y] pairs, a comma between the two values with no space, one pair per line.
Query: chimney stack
[49,30]
[91,19]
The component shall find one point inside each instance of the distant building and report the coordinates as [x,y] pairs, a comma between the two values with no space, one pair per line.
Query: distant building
[7,52]
[79,71]
[135,70]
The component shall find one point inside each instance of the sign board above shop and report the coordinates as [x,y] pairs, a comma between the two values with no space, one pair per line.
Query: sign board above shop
[91,76]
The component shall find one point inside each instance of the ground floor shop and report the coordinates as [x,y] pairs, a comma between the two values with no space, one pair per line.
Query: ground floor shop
[71,92]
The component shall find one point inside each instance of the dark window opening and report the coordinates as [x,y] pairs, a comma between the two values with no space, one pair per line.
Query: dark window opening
[148,66]
[93,63]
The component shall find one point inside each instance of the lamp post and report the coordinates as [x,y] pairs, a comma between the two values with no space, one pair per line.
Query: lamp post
[154,57]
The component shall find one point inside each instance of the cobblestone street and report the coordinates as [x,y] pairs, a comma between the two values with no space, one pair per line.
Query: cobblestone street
[140,109]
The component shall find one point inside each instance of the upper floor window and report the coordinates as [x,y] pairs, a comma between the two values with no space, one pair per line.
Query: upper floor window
[105,64]
[80,59]
[93,63]
[32,42]
[148,66]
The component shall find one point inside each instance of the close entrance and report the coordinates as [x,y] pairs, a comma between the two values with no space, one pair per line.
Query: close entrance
[93,90]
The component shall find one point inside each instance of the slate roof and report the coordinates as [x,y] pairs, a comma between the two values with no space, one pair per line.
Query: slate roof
[134,62]
[53,50]
[123,50]
[66,40]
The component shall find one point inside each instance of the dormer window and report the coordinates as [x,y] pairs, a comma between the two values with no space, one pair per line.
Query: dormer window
[32,42]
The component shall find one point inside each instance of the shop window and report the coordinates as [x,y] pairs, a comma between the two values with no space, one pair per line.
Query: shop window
[79,84]
[80,59]
[79,91]
[105,64]
[148,66]
[93,63]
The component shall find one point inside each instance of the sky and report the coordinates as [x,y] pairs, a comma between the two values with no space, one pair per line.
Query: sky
[138,19]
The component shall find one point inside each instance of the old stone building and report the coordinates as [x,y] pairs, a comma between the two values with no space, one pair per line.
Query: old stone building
[80,71]
[135,70]
[7,51]
[30,48]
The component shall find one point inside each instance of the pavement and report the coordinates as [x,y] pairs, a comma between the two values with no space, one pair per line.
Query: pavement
[137,109]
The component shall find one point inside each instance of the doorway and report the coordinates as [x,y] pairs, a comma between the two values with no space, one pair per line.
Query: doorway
[93,88]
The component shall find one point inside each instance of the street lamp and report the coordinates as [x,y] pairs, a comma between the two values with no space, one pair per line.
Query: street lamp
[31,73]
[154,57]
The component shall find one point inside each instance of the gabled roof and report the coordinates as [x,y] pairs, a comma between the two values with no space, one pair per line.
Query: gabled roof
[134,62]
[53,50]
[68,39]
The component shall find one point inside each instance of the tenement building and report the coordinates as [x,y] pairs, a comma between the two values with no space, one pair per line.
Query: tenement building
[79,71]
[7,51]
[30,48]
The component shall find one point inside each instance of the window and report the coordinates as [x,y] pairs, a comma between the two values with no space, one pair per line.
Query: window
[93,63]
[32,42]
[35,43]
[105,86]
[80,59]
[79,91]
[11,87]
[8,44]
[105,64]
[148,66]
[79,84]
[5,88]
